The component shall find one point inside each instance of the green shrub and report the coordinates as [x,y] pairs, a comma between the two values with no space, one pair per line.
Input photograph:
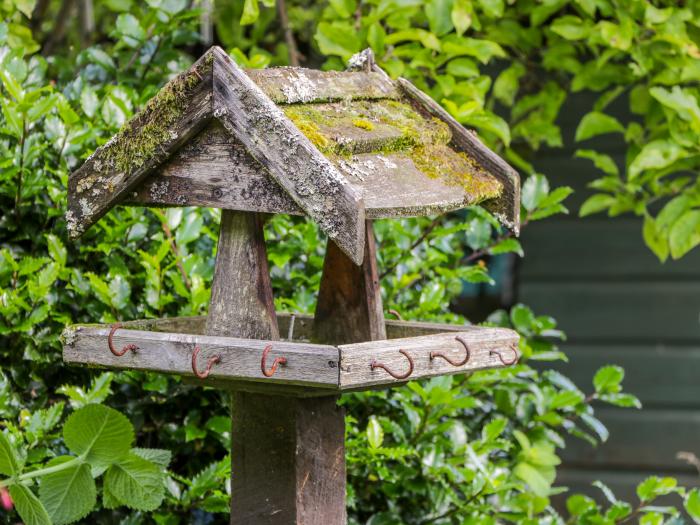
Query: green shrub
[477,449]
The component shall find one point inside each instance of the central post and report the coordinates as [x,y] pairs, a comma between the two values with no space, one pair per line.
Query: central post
[288,452]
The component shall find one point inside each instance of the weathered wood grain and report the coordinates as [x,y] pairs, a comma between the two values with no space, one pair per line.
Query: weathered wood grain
[171,353]
[349,307]
[215,170]
[290,158]
[507,206]
[303,326]
[289,85]
[177,113]
[356,359]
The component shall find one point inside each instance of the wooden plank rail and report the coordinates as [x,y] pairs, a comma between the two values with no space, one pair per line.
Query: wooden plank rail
[324,367]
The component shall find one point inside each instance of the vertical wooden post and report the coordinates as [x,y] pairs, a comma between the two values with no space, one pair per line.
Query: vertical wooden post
[349,308]
[288,463]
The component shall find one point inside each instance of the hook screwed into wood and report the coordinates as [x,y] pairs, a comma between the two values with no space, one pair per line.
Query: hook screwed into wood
[125,348]
[463,362]
[395,313]
[374,365]
[500,355]
[277,362]
[210,363]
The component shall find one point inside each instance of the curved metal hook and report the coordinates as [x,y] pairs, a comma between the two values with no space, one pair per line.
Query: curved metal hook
[500,356]
[463,362]
[374,365]
[210,363]
[125,348]
[395,313]
[277,362]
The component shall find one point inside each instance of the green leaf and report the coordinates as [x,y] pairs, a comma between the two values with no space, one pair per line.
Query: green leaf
[607,379]
[492,8]
[462,67]
[596,203]
[692,504]
[493,429]
[68,495]
[657,154]
[375,433]
[251,12]
[507,83]
[507,246]
[601,161]
[685,234]
[533,477]
[653,487]
[597,426]
[9,465]
[128,25]
[654,238]
[596,123]
[136,483]
[622,400]
[99,433]
[461,16]
[25,6]
[337,39]
[571,27]
[534,190]
[439,15]
[488,121]
[158,456]
[680,100]
[28,506]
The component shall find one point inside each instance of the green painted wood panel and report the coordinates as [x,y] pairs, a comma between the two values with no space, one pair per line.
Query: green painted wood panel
[660,376]
[640,439]
[648,312]
[597,249]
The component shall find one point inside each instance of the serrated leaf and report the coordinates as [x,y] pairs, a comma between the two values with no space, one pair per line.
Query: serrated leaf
[28,506]
[136,483]
[158,456]
[8,462]
[70,494]
[99,433]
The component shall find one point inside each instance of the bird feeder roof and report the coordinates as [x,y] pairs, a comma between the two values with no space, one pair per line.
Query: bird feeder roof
[339,147]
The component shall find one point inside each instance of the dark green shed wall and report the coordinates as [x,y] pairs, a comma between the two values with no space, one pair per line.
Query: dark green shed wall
[618,305]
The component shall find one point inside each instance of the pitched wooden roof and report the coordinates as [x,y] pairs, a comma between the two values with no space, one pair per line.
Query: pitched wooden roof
[337,146]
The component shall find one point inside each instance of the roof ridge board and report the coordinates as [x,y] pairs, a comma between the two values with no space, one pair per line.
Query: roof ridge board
[309,178]
[180,110]
[292,85]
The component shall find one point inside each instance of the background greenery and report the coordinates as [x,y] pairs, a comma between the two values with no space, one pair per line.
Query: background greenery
[454,450]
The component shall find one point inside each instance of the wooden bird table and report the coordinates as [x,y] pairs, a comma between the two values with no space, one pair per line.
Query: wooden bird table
[228,139]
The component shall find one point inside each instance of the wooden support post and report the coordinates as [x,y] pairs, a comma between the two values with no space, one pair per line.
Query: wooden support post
[288,464]
[349,308]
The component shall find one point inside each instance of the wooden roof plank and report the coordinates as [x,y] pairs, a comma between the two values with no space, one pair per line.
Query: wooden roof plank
[507,207]
[176,114]
[290,158]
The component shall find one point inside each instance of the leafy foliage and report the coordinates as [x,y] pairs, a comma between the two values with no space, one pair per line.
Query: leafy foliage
[477,449]
[101,438]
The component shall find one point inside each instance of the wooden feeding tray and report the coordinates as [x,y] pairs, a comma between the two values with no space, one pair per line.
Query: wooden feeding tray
[413,350]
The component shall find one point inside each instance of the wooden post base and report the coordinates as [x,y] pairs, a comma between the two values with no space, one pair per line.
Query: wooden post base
[288,463]
[288,454]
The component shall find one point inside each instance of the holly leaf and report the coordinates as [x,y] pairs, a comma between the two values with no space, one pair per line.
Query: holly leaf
[99,433]
[70,494]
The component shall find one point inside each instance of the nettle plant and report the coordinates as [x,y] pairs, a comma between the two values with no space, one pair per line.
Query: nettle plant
[100,440]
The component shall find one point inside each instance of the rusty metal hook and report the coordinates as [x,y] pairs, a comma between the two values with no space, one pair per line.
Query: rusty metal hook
[374,365]
[278,361]
[463,362]
[500,356]
[125,348]
[395,313]
[210,363]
